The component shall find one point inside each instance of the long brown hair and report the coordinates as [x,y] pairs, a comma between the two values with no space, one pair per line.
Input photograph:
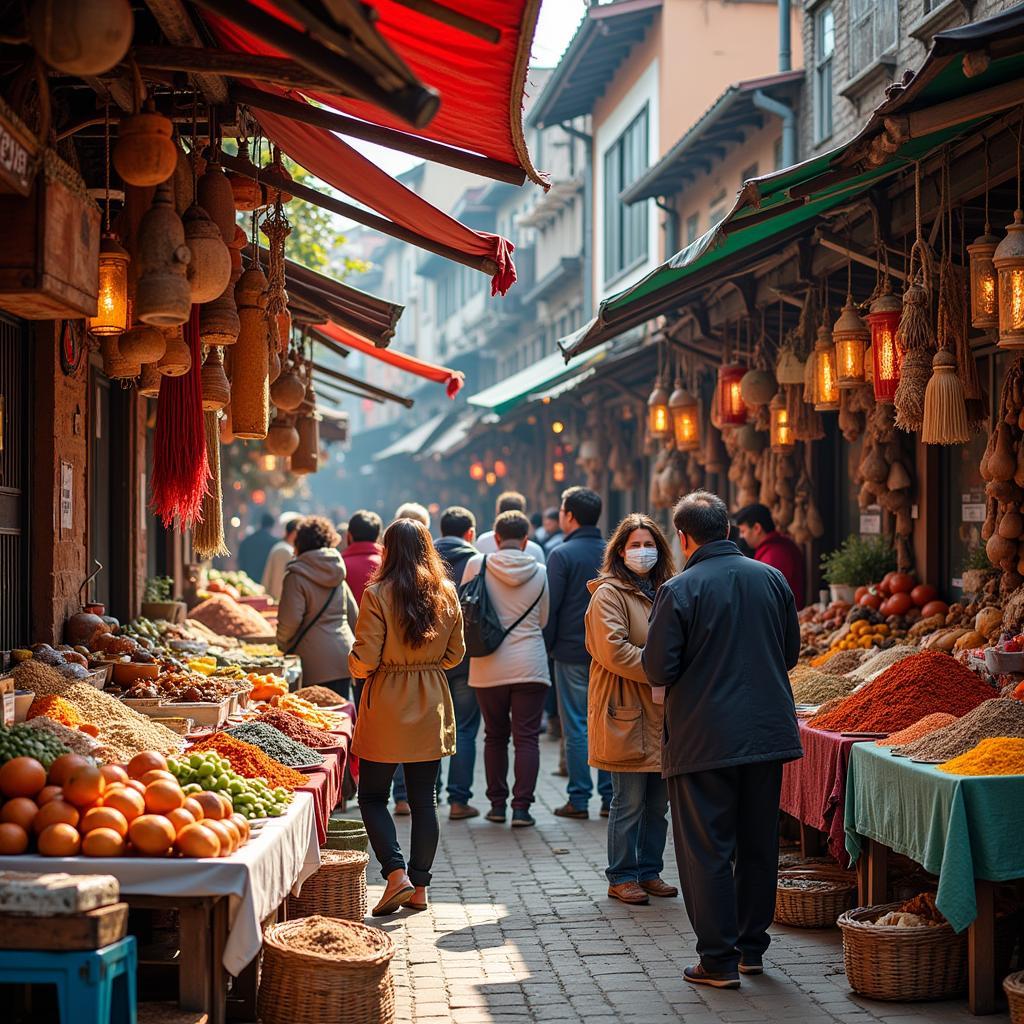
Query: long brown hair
[614,562]
[419,585]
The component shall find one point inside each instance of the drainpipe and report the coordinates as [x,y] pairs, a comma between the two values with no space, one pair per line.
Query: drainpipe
[588,197]
[672,245]
[788,117]
[785,55]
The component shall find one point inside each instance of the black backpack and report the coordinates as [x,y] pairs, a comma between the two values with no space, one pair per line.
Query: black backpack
[481,626]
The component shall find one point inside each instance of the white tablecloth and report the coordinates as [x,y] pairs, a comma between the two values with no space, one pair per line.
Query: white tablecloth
[274,863]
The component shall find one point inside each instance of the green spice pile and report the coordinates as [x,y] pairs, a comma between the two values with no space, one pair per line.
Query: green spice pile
[274,743]
[999,717]
[23,741]
[813,686]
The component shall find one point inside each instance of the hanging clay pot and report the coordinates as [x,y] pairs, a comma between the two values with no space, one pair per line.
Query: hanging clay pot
[306,457]
[81,37]
[209,269]
[758,387]
[250,386]
[282,437]
[288,391]
[115,364]
[246,189]
[145,153]
[271,193]
[162,294]
[218,320]
[273,364]
[177,358]
[143,344]
[224,430]
[149,380]
[184,180]
[216,198]
[214,382]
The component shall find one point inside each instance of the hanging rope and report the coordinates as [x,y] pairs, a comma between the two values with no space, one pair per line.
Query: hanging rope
[208,534]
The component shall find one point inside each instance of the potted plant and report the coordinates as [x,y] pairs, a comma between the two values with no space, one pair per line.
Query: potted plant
[158,600]
[855,563]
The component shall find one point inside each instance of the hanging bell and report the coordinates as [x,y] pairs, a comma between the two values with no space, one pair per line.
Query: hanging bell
[282,437]
[177,358]
[214,382]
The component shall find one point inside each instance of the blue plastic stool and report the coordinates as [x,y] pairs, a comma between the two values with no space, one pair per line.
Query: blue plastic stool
[85,980]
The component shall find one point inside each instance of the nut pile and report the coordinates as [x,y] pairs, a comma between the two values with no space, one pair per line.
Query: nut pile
[997,717]
[122,731]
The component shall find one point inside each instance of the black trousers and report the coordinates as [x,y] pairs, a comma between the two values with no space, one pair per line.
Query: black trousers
[725,826]
[374,788]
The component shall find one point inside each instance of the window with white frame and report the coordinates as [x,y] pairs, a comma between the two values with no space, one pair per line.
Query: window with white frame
[625,227]
[692,227]
[874,31]
[824,52]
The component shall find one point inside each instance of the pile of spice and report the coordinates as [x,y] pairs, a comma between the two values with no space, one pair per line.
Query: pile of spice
[75,740]
[320,695]
[251,762]
[122,732]
[924,683]
[997,717]
[308,712]
[329,937]
[844,661]
[922,727]
[874,665]
[41,679]
[56,708]
[998,756]
[274,742]
[227,617]
[298,730]
[813,686]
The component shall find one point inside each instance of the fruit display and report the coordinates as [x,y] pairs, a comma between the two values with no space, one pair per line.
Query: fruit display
[238,581]
[266,687]
[211,773]
[22,740]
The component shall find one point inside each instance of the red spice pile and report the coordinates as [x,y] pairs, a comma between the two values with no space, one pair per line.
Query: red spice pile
[298,730]
[920,685]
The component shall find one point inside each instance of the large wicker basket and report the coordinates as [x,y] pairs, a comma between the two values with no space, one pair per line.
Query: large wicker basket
[1013,986]
[346,834]
[338,889]
[818,907]
[300,987]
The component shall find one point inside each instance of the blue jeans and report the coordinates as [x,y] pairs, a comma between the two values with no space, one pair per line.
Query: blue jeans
[637,827]
[573,683]
[462,763]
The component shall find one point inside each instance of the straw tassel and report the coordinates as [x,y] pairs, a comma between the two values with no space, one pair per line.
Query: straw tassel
[945,411]
[208,535]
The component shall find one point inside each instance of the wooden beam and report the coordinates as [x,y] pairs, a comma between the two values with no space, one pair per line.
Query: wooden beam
[322,383]
[828,241]
[372,389]
[956,111]
[197,60]
[436,152]
[361,216]
[415,103]
[176,24]
[454,19]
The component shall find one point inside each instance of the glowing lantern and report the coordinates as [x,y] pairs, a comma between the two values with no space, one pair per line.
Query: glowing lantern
[851,336]
[685,412]
[732,410]
[1008,260]
[490,479]
[658,422]
[500,469]
[112,304]
[883,319]
[780,430]
[557,427]
[558,472]
[476,471]
[826,384]
[984,282]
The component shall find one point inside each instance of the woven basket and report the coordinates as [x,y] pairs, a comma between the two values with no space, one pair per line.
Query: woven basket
[346,834]
[1013,986]
[298,987]
[250,386]
[814,908]
[338,889]
[214,381]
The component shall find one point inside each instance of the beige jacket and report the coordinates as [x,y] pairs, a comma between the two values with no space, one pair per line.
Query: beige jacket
[405,713]
[624,724]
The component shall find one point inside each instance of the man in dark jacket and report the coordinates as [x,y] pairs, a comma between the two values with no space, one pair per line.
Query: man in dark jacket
[572,564]
[455,546]
[723,635]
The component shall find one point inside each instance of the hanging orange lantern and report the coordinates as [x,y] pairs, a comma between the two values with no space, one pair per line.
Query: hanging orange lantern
[112,303]
[1008,261]
[984,281]
[826,385]
[851,336]
[780,429]
[558,471]
[500,469]
[476,471]
[883,319]
[658,422]
[685,412]
[732,410]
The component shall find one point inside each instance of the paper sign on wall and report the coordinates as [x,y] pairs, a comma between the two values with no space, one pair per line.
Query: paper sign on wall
[871,520]
[67,496]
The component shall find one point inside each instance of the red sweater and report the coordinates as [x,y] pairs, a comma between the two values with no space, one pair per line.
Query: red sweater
[362,560]
[784,554]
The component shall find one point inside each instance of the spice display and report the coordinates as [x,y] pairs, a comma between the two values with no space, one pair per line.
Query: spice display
[905,692]
[320,695]
[56,708]
[74,740]
[264,687]
[225,616]
[875,664]
[845,661]
[276,744]
[813,686]
[306,711]
[923,727]
[23,741]
[122,732]
[997,717]
[327,936]
[298,730]
[250,761]
[1000,755]
[212,773]
[41,679]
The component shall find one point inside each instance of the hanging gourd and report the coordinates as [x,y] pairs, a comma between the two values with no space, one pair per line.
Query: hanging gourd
[214,195]
[145,153]
[188,168]
[288,391]
[272,194]
[143,344]
[282,437]
[81,37]
[177,358]
[244,184]
[306,457]
[209,269]
[115,364]
[149,381]
[162,294]
[250,359]
[218,320]
[214,381]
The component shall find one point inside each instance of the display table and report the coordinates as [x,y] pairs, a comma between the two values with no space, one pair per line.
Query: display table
[968,831]
[814,788]
[221,902]
[324,786]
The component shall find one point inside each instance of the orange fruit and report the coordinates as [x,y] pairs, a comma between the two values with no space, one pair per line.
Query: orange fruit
[227,840]
[151,834]
[103,842]
[212,805]
[13,839]
[163,796]
[243,826]
[59,840]
[139,787]
[22,776]
[236,833]
[194,807]
[125,799]
[104,817]
[113,773]
[19,811]
[55,812]
[179,818]
[155,775]
[64,765]
[48,793]
[144,762]
[84,786]
[198,840]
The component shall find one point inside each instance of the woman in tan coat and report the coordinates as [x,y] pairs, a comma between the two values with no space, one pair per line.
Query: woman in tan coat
[625,715]
[408,632]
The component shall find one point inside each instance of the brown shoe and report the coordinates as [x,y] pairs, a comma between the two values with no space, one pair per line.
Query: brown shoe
[629,892]
[402,808]
[657,887]
[459,812]
[568,811]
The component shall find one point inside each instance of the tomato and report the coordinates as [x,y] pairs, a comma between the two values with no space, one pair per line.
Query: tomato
[934,608]
[900,603]
[901,583]
[859,593]
[885,585]
[923,593]
[870,600]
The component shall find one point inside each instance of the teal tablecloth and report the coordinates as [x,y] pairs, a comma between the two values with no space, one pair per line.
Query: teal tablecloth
[959,828]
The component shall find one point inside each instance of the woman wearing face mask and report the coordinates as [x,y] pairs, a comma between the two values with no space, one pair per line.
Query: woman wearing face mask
[625,713]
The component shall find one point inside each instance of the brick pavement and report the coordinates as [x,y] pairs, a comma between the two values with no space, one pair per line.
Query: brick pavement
[520,930]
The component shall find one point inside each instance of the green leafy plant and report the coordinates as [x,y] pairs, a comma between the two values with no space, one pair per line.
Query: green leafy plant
[158,588]
[976,559]
[858,561]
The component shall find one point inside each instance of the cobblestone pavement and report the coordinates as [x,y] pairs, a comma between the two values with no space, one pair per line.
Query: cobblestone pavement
[520,929]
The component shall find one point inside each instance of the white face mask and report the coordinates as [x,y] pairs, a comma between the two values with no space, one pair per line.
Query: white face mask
[641,560]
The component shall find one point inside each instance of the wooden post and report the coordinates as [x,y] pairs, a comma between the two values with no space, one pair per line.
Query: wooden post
[981,950]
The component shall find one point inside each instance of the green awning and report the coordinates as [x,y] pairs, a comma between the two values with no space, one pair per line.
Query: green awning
[772,210]
[536,378]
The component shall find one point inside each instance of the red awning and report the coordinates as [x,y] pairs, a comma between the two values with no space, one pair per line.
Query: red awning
[480,81]
[451,379]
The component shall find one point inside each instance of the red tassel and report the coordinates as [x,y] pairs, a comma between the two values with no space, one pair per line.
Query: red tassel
[180,465]
[502,255]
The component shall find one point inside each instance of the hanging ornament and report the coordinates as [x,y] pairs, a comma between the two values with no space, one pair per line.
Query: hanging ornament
[780,432]
[81,37]
[244,185]
[851,336]
[288,391]
[277,229]
[143,344]
[883,319]
[214,382]
[282,437]
[826,384]
[214,195]
[162,294]
[685,412]
[209,268]
[250,387]
[984,280]
[732,410]
[145,154]
[272,194]
[658,421]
